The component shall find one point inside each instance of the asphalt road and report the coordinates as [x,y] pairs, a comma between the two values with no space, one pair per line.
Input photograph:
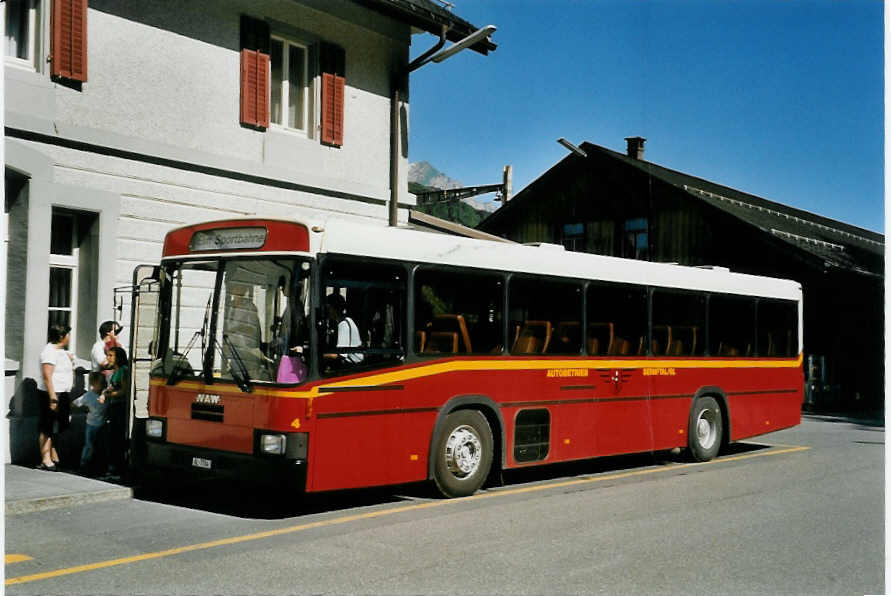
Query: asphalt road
[795,512]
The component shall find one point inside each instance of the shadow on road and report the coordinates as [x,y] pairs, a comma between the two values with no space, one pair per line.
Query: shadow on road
[612,464]
[862,421]
[251,501]
[266,502]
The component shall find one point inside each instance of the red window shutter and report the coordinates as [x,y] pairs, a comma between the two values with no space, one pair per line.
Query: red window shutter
[69,39]
[339,88]
[327,108]
[332,63]
[333,88]
[262,89]
[255,88]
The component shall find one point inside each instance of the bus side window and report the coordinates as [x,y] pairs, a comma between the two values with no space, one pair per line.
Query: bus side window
[617,319]
[366,300]
[458,312]
[545,316]
[678,323]
[731,321]
[777,328]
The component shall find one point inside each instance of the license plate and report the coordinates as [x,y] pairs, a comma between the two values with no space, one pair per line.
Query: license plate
[200,462]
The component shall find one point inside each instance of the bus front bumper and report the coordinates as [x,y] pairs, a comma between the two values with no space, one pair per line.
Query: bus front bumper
[202,463]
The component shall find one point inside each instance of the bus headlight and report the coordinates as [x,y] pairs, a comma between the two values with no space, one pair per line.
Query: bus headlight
[154,428]
[273,444]
[291,445]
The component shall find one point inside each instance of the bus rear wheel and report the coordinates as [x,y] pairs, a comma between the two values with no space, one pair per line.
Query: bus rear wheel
[463,454]
[705,430]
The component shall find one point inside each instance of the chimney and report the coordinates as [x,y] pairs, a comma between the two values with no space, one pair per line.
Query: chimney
[635,147]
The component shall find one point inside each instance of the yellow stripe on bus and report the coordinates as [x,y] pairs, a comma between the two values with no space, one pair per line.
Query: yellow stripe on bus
[438,368]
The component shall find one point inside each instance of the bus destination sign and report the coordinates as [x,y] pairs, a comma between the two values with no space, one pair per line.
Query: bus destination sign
[228,239]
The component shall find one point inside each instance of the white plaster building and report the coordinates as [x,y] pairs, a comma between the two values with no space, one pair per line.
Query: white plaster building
[124,119]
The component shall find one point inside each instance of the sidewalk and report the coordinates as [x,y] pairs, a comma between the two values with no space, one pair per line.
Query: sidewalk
[29,490]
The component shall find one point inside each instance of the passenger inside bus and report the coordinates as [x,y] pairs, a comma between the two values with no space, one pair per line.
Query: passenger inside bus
[288,333]
[346,330]
[241,330]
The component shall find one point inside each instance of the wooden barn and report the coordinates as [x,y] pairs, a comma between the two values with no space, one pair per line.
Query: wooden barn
[600,201]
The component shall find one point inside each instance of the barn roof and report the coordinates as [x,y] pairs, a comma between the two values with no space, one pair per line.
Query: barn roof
[833,242]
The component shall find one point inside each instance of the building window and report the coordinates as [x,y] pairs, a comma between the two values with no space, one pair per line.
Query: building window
[22,31]
[288,64]
[636,239]
[63,270]
[573,237]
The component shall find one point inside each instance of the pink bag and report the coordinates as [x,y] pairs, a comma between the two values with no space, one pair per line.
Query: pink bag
[291,369]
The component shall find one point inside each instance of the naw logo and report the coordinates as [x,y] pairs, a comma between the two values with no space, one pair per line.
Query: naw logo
[208,399]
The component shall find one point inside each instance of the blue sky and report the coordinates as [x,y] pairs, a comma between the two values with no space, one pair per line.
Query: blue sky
[782,99]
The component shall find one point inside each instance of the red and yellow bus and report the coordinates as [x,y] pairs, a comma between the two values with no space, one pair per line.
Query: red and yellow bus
[334,354]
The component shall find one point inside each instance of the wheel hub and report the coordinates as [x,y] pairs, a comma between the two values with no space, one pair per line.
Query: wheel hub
[706,430]
[463,451]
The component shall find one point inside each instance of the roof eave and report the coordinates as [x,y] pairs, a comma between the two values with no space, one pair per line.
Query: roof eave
[429,19]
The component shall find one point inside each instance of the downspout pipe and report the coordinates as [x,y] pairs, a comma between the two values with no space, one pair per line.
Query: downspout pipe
[394,123]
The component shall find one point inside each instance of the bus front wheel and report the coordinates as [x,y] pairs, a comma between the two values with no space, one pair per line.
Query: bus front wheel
[463,454]
[706,428]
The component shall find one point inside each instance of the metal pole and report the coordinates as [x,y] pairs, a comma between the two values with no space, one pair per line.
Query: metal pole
[394,155]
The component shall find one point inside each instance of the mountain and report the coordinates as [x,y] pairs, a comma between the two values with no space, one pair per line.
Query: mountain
[469,212]
[424,173]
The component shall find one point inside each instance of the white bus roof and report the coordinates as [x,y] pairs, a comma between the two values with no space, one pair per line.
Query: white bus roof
[379,241]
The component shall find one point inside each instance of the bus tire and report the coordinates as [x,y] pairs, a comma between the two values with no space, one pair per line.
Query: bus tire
[463,454]
[705,429]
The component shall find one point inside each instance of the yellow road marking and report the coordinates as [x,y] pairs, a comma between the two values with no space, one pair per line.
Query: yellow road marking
[374,514]
[17,558]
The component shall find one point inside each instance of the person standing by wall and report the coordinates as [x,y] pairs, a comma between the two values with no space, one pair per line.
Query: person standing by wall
[108,331]
[95,402]
[53,385]
[116,396]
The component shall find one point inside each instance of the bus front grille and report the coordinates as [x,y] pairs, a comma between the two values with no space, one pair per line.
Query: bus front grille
[210,412]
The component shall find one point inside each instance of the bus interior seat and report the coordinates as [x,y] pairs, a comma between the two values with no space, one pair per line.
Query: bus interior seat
[661,337]
[619,347]
[593,346]
[791,347]
[533,338]
[601,338]
[655,345]
[442,342]
[455,324]
[687,335]
[771,346]
[727,350]
[675,349]
[566,337]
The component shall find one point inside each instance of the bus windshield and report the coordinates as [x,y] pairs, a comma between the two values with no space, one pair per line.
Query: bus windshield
[234,319]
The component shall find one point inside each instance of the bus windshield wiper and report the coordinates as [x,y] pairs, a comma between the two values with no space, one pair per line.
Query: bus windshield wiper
[180,361]
[242,379]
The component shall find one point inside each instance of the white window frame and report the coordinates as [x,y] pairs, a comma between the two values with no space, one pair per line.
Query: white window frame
[36,40]
[304,115]
[70,262]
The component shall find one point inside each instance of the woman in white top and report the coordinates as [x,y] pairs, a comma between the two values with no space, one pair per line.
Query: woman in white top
[53,384]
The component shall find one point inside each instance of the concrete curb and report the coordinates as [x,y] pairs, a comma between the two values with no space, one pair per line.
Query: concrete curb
[70,500]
